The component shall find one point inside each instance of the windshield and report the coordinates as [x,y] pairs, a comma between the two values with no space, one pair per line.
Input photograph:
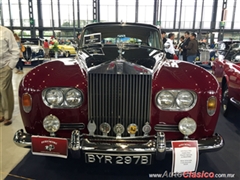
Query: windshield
[220,46]
[144,36]
[235,56]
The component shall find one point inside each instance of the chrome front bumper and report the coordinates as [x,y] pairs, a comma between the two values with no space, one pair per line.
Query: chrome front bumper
[145,144]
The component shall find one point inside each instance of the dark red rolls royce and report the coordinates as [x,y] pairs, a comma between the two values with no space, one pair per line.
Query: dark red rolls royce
[119,100]
[227,71]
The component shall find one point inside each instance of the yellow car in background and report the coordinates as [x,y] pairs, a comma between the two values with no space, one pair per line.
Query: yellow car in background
[64,50]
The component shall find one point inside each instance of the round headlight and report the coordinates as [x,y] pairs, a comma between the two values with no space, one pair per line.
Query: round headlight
[165,99]
[74,97]
[184,99]
[187,126]
[51,123]
[54,97]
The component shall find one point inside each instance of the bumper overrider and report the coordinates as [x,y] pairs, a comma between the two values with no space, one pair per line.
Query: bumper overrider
[155,145]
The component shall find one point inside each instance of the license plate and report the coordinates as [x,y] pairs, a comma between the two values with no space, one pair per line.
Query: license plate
[49,146]
[118,158]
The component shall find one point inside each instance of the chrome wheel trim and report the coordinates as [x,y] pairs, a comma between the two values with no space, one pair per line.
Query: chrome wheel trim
[67,54]
[225,100]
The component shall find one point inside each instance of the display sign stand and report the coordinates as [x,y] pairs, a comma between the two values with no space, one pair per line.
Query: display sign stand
[185,156]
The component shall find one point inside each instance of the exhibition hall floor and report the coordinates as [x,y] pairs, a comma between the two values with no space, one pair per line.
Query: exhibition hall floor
[17,163]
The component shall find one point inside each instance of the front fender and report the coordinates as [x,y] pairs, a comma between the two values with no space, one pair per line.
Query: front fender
[65,73]
[183,75]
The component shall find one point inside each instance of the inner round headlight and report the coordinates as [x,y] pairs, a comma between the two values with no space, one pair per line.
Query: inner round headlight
[187,126]
[74,97]
[184,99]
[165,99]
[51,123]
[54,97]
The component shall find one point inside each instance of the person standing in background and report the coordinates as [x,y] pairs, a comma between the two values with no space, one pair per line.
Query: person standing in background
[212,45]
[192,48]
[164,39]
[19,65]
[9,54]
[46,49]
[169,48]
[184,45]
[78,39]
[180,51]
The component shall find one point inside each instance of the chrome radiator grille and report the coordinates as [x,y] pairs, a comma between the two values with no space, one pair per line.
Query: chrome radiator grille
[119,98]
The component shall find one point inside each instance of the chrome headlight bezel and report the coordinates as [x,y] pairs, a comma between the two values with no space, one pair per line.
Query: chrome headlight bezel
[175,105]
[167,93]
[51,123]
[180,99]
[59,97]
[184,125]
[63,104]
[78,96]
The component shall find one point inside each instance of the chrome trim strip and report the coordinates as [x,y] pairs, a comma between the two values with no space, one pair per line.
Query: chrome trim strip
[72,126]
[166,128]
[235,102]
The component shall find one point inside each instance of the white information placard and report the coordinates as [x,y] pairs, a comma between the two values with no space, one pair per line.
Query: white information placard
[185,156]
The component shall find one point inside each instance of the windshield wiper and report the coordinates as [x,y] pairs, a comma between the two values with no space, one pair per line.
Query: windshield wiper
[141,46]
[92,46]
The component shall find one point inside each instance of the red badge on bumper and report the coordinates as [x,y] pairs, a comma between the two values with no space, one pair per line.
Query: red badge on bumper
[27,63]
[49,146]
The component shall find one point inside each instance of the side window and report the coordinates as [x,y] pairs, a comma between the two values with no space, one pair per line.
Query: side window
[230,55]
[153,40]
[150,39]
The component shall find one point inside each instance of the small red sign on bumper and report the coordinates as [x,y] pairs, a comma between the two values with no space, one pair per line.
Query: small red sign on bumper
[27,62]
[49,146]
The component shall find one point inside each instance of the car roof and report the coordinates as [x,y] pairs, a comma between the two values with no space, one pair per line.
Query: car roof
[229,41]
[121,24]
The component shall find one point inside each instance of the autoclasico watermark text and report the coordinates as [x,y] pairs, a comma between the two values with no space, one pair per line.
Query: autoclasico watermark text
[192,175]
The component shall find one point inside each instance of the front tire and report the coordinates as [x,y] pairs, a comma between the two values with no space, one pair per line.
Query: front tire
[51,53]
[67,54]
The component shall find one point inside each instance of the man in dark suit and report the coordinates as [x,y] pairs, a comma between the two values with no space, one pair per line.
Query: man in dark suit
[184,45]
[163,33]
[192,48]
